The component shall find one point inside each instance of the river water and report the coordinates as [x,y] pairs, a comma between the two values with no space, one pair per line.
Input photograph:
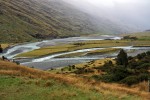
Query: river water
[51,61]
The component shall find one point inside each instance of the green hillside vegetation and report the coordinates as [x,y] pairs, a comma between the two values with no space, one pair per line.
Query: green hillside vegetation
[30,20]
[122,70]
[133,72]
[13,88]
[19,82]
[33,20]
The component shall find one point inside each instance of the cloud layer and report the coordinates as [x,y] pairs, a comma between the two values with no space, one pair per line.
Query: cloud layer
[133,12]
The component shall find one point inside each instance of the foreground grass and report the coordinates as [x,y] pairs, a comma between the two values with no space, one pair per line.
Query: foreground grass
[18,82]
[13,88]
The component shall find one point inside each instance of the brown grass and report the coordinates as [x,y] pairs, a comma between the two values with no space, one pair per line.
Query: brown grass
[4,45]
[95,63]
[8,68]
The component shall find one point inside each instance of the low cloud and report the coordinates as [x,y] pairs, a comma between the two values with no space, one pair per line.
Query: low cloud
[133,12]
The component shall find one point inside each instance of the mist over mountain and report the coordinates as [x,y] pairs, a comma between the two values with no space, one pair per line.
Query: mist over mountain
[133,14]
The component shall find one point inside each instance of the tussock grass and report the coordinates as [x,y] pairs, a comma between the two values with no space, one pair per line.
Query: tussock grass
[7,68]
[108,50]
[72,55]
[95,63]
[4,45]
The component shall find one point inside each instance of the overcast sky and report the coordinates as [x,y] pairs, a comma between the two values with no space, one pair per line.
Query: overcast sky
[136,12]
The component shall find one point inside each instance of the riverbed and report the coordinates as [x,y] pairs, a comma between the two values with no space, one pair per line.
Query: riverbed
[53,61]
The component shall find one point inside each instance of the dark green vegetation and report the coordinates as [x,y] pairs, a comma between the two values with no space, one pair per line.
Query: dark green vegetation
[122,58]
[123,70]
[127,71]
[1,49]
[128,37]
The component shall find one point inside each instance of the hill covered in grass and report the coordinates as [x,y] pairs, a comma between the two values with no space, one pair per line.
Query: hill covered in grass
[25,20]
[29,20]
[19,82]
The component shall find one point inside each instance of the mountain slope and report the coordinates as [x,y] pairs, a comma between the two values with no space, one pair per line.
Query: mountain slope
[28,20]
[25,20]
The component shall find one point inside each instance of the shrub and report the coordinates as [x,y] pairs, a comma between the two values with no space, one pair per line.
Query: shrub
[73,67]
[144,66]
[122,58]
[62,69]
[109,78]
[129,37]
[130,80]
[130,58]
[120,73]
[96,77]
[116,74]
[148,53]
[142,55]
[133,64]
[83,70]
[143,77]
[69,68]
[79,71]
[1,49]
[107,67]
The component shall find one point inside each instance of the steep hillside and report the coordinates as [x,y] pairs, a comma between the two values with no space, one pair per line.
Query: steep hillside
[25,20]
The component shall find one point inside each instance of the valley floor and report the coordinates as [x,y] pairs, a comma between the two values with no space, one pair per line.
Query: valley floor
[20,82]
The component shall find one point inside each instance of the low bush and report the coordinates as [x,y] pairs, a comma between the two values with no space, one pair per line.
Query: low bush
[143,77]
[130,80]
[144,66]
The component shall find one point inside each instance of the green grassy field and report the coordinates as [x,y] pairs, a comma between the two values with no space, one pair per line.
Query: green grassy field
[72,47]
[103,51]
[13,88]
